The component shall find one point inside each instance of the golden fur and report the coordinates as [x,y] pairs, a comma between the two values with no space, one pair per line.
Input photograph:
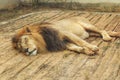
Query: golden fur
[59,35]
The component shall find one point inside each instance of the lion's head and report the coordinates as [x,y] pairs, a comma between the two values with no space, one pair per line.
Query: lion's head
[25,42]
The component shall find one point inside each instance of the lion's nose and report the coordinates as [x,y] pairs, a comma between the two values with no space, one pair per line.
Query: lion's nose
[26,50]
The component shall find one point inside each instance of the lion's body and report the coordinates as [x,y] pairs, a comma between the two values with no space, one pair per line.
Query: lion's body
[72,25]
[59,35]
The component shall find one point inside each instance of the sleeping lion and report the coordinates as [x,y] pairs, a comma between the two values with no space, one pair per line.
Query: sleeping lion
[64,34]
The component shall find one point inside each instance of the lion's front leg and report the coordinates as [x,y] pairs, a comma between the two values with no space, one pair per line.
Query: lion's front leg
[80,42]
[78,49]
[73,47]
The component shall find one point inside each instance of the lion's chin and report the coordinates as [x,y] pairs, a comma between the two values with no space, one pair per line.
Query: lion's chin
[32,53]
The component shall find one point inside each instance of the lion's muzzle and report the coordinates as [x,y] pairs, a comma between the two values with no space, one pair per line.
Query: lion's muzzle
[31,52]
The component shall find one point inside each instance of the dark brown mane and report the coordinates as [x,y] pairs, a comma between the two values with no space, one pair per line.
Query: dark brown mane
[15,41]
[52,39]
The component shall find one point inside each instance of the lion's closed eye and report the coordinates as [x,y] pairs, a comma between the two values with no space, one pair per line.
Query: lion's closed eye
[26,40]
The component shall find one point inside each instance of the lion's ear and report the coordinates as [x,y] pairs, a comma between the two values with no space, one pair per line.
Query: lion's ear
[27,29]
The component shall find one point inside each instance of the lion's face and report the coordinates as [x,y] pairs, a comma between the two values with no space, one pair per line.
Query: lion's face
[27,44]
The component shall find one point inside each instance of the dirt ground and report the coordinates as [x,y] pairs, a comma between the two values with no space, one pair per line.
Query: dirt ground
[64,65]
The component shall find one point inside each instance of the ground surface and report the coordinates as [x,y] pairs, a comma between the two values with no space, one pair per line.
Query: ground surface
[64,65]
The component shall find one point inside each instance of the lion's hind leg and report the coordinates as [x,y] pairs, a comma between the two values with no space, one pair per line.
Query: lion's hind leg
[106,35]
[88,26]
[114,34]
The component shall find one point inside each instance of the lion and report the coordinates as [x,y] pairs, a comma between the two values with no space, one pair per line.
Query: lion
[66,34]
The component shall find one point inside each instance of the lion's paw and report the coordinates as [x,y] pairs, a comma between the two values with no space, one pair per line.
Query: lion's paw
[89,51]
[94,48]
